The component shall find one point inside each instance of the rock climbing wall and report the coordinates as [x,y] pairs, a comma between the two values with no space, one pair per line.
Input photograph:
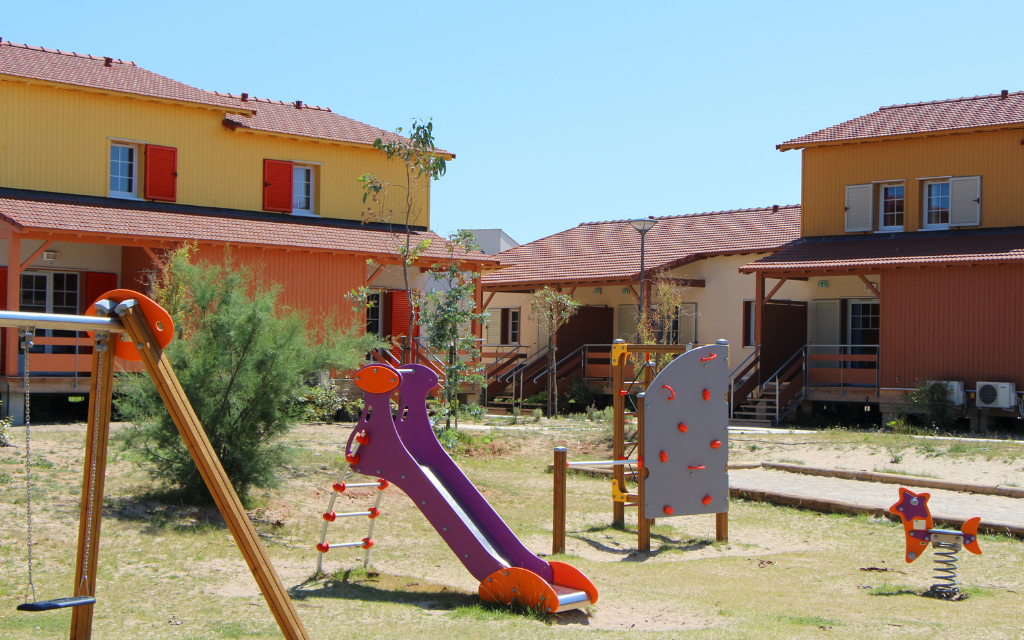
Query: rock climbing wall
[686,443]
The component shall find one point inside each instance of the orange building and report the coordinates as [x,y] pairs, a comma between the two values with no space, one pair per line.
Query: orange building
[913,246]
[104,165]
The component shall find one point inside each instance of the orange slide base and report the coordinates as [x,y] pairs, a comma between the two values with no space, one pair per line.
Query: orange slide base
[514,585]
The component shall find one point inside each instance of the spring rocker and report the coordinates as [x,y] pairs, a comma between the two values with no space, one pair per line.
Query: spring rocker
[401,449]
[130,326]
[681,448]
[913,511]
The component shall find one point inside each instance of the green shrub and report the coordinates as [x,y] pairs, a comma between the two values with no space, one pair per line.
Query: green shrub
[537,414]
[932,401]
[243,360]
[323,402]
[581,395]
[541,397]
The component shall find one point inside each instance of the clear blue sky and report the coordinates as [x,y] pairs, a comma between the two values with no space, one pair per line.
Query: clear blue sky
[562,113]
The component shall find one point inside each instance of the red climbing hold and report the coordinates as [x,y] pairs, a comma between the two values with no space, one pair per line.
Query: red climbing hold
[367,543]
[706,500]
[682,427]
[671,393]
[352,458]
[640,464]
[668,510]
[339,487]
[363,438]
[697,468]
[623,393]
[715,444]
[711,357]
[323,547]
[706,395]
[330,516]
[374,512]
[663,456]
[384,484]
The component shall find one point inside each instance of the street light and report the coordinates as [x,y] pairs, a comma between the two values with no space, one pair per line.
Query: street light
[643,225]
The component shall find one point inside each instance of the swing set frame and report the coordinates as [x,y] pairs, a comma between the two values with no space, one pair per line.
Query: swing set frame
[121,319]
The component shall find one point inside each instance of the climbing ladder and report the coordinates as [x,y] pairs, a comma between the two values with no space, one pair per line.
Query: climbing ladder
[339,487]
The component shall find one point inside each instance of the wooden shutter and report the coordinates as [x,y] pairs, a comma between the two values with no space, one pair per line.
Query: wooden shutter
[277,186]
[859,198]
[494,328]
[3,307]
[687,323]
[628,316]
[826,328]
[161,181]
[504,326]
[96,284]
[748,323]
[965,201]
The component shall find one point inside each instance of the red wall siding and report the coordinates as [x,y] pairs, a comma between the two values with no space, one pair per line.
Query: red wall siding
[134,262]
[313,282]
[952,323]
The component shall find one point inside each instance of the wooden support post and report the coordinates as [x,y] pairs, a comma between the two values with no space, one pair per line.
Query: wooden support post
[722,526]
[93,481]
[643,522]
[216,479]
[619,431]
[13,301]
[558,521]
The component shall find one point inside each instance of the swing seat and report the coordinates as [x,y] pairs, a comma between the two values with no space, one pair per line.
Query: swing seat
[59,603]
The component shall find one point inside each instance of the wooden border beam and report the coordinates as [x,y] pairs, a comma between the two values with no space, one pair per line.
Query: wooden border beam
[230,507]
[869,285]
[38,252]
[782,281]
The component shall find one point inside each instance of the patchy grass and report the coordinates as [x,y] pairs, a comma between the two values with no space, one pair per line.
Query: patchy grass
[903,472]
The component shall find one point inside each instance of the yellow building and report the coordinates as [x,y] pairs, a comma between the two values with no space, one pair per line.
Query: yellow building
[104,165]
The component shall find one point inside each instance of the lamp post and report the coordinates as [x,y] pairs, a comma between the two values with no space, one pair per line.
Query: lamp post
[643,225]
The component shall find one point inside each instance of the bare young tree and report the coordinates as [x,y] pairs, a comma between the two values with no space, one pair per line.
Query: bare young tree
[552,310]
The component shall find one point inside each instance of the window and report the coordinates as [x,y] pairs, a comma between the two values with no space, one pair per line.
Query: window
[510,325]
[749,326]
[373,317]
[302,190]
[890,207]
[124,171]
[51,292]
[936,205]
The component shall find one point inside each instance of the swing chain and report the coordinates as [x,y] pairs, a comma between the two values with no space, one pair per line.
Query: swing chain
[26,334]
[101,339]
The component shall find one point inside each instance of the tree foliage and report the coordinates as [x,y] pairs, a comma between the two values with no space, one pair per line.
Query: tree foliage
[552,309]
[242,360]
[447,312]
[660,324]
[398,204]
[932,401]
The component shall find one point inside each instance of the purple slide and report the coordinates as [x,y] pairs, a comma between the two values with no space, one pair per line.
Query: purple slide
[408,455]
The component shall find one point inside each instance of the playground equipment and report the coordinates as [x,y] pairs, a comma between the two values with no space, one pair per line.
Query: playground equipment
[403,449]
[142,329]
[681,447]
[912,509]
[337,489]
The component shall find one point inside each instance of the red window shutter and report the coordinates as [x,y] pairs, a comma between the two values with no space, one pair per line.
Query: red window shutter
[96,284]
[277,186]
[399,313]
[161,173]
[3,306]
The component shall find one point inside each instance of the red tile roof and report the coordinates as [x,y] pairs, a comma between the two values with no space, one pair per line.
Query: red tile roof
[896,249]
[66,67]
[922,117]
[151,223]
[275,116]
[602,251]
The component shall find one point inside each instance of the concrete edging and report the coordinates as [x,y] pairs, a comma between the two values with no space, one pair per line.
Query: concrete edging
[892,478]
[840,506]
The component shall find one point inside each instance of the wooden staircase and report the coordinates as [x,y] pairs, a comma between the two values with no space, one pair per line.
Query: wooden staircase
[766,401]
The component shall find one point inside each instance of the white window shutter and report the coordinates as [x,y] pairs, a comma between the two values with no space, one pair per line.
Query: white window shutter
[858,207]
[687,323]
[494,327]
[826,329]
[965,201]
[628,316]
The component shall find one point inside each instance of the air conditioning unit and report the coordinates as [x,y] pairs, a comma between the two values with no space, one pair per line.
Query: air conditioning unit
[51,255]
[996,395]
[955,390]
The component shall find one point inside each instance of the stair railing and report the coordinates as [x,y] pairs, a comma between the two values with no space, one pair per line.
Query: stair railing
[738,395]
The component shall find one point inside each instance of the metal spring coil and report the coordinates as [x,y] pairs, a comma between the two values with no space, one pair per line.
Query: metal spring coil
[945,567]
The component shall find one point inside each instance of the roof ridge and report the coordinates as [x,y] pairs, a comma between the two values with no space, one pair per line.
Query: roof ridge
[696,214]
[248,98]
[948,100]
[72,54]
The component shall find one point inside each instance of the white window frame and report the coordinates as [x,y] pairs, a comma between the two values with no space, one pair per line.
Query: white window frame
[882,228]
[311,211]
[924,206]
[125,195]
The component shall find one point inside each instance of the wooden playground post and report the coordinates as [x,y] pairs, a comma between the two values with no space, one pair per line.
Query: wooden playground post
[643,524]
[618,427]
[92,486]
[558,521]
[722,526]
[216,479]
